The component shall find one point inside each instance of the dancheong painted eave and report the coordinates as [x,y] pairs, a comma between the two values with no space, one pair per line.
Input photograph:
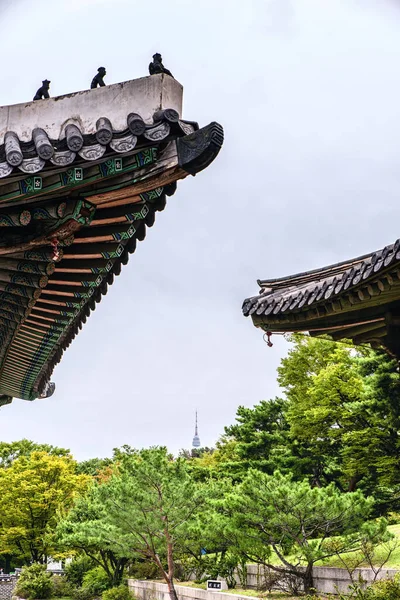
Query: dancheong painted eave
[81,178]
[357,299]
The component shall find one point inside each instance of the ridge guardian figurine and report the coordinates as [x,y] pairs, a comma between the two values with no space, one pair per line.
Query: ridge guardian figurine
[98,80]
[157,67]
[43,92]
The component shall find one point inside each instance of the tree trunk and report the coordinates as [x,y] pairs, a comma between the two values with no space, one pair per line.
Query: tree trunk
[171,567]
[308,579]
[167,575]
[119,567]
[171,589]
[353,483]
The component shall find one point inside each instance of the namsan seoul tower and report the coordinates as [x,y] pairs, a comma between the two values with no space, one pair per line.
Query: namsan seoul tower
[196,440]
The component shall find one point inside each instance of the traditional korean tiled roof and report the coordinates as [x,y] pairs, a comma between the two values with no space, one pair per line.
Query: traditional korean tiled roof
[42,152]
[308,289]
[70,226]
[355,299]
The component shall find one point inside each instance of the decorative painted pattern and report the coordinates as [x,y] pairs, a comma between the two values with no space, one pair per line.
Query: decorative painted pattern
[15,220]
[93,252]
[78,176]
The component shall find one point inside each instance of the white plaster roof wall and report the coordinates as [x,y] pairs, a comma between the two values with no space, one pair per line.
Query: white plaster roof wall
[143,96]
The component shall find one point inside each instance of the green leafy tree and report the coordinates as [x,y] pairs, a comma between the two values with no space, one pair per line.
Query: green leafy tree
[220,462]
[382,392]
[34,490]
[296,521]
[325,392]
[94,466]
[149,506]
[195,452]
[261,436]
[153,503]
[10,451]
[338,423]
[86,529]
[343,414]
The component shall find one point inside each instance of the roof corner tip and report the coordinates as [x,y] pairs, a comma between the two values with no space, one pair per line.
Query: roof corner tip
[198,150]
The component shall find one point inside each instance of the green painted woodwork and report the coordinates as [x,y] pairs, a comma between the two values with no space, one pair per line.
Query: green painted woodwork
[78,176]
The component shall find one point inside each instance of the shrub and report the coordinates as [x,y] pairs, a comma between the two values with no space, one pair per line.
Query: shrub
[96,580]
[77,568]
[61,587]
[144,570]
[393,518]
[118,593]
[35,583]
[386,589]
[82,594]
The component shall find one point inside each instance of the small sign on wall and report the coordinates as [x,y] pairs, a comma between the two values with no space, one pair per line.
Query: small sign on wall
[216,586]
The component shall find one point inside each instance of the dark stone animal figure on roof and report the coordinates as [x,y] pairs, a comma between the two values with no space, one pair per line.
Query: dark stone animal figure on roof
[43,92]
[98,79]
[157,67]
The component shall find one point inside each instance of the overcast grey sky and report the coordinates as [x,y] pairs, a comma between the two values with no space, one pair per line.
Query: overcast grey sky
[308,92]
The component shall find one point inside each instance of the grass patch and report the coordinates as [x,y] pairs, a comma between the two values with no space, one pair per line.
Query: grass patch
[241,592]
[200,586]
[252,593]
[393,562]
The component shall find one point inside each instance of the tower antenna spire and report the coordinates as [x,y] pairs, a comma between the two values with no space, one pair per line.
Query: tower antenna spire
[196,440]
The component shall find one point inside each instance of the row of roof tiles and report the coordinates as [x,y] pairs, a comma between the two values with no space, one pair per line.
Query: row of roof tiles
[33,156]
[306,289]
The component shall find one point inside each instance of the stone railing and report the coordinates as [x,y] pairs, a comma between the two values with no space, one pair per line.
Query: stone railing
[7,585]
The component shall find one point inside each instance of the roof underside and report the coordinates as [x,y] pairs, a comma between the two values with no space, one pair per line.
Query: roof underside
[69,226]
[357,299]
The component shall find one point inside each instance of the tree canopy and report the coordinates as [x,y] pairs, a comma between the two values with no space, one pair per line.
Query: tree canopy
[34,490]
[294,520]
[145,509]
[338,421]
[10,451]
[294,477]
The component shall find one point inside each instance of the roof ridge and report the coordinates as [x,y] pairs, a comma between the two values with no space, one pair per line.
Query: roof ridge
[324,272]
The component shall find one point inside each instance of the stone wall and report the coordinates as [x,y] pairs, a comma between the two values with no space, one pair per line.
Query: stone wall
[150,590]
[327,580]
[7,587]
